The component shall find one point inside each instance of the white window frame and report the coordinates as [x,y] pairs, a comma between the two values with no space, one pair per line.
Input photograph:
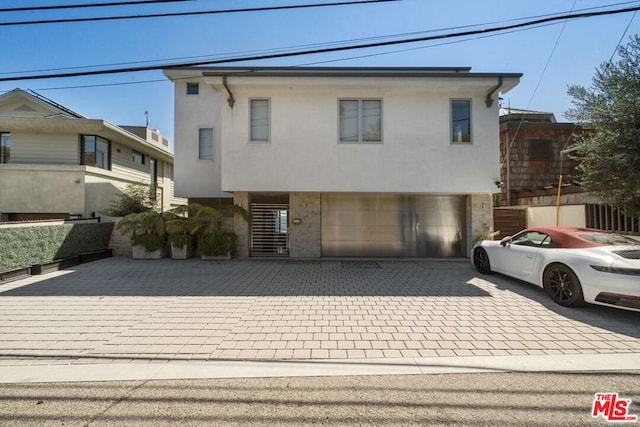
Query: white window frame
[451,127]
[251,134]
[360,122]
[213,143]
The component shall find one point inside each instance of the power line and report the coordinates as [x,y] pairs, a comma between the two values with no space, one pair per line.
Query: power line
[624,33]
[391,52]
[204,12]
[507,158]
[297,65]
[322,50]
[314,45]
[279,49]
[94,5]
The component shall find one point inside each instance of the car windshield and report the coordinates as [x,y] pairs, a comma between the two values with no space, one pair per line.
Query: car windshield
[609,239]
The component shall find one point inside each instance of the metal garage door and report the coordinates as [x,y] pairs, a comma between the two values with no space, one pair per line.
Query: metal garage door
[393,225]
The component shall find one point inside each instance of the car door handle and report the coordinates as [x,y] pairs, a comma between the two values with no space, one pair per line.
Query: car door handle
[530,256]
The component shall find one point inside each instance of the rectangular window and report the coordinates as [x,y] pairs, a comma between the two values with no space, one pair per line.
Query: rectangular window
[96,151]
[205,144]
[137,157]
[460,120]
[360,120]
[260,117]
[5,147]
[193,88]
[153,176]
[539,150]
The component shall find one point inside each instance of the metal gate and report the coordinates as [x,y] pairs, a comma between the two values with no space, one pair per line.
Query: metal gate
[269,229]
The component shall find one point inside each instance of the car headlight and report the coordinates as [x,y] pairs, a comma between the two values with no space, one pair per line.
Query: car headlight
[617,270]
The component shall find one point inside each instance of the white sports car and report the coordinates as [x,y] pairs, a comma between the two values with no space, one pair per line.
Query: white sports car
[573,265]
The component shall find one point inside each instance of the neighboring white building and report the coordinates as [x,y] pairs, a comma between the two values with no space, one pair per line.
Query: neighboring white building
[55,163]
[343,161]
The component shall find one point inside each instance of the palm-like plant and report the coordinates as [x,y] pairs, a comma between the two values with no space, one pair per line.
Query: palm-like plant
[147,229]
[206,223]
[180,225]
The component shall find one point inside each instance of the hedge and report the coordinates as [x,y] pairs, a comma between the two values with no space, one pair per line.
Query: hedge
[25,246]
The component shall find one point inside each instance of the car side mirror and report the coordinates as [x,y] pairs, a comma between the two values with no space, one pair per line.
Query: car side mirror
[506,241]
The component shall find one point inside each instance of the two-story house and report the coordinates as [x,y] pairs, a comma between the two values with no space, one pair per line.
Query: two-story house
[56,163]
[330,162]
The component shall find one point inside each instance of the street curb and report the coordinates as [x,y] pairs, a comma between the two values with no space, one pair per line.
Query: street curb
[175,370]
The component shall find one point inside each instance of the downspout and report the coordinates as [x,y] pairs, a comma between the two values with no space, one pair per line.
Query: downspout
[489,99]
[231,100]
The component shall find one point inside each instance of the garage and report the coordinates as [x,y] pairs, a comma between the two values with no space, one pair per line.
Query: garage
[393,225]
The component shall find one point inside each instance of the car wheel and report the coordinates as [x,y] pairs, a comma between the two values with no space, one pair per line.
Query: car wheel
[562,285]
[481,261]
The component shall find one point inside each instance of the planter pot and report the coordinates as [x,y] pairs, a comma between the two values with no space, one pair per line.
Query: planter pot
[184,252]
[139,252]
[15,274]
[216,257]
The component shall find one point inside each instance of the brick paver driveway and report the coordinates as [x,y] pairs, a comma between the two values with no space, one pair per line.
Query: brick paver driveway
[123,309]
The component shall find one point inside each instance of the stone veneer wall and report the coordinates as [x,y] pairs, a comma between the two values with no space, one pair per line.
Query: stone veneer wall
[304,238]
[241,227]
[480,217]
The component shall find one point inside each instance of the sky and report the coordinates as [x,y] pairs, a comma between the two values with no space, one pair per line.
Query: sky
[551,57]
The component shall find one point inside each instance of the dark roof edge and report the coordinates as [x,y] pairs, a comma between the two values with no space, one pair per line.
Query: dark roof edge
[343,72]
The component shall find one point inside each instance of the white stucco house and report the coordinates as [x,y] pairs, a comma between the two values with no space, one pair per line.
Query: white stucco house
[56,163]
[331,162]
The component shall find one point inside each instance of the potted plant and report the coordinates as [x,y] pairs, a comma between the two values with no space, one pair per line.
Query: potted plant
[179,228]
[148,234]
[214,242]
[218,245]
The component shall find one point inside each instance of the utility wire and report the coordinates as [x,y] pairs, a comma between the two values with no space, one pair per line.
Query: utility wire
[324,44]
[94,5]
[507,158]
[294,66]
[322,50]
[205,12]
[624,33]
[287,48]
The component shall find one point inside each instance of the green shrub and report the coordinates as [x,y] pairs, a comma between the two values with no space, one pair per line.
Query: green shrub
[28,245]
[151,242]
[217,244]
[135,198]
[181,240]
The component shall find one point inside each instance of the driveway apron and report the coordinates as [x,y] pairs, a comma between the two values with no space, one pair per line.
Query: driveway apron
[119,309]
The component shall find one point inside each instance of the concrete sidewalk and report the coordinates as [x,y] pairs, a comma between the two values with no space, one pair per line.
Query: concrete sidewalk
[414,312]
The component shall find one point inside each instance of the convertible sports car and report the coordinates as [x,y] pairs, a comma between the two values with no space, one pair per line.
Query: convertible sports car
[573,265]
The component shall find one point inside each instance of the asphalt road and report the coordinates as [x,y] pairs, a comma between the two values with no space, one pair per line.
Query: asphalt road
[492,399]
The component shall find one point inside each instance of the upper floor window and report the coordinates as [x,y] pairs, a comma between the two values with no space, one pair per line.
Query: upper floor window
[5,147]
[193,88]
[205,144]
[460,120]
[360,120]
[96,151]
[137,157]
[260,118]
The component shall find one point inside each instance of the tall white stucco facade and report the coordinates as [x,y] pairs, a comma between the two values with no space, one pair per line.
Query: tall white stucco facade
[304,159]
